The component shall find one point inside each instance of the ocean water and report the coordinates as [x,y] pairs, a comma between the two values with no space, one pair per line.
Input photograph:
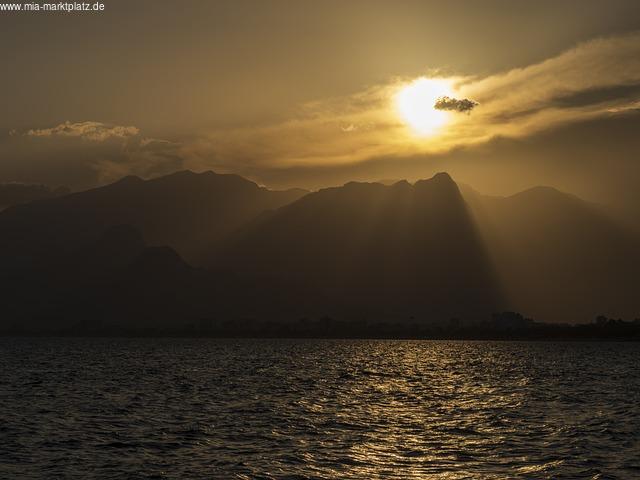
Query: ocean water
[249,409]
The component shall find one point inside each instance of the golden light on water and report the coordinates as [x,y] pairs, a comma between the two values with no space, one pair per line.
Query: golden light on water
[415,103]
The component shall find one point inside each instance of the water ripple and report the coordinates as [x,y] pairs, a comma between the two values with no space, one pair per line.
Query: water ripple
[276,409]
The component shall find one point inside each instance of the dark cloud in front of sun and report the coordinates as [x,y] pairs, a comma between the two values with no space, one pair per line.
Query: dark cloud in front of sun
[464,105]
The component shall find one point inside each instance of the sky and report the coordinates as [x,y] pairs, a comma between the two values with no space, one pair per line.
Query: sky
[310,94]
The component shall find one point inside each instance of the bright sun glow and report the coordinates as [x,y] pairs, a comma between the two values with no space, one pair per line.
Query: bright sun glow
[415,103]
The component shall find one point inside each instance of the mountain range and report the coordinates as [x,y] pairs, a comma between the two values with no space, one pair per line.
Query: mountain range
[187,247]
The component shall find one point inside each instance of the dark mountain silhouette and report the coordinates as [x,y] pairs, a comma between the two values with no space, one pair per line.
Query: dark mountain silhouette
[51,289]
[185,210]
[159,290]
[560,258]
[116,281]
[371,250]
[418,258]
[18,193]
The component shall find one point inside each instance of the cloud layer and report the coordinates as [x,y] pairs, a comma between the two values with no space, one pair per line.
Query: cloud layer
[87,152]
[598,79]
[94,131]
[515,103]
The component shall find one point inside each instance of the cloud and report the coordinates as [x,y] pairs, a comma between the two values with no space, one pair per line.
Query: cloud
[155,142]
[141,156]
[454,104]
[596,79]
[631,107]
[89,152]
[94,131]
[582,83]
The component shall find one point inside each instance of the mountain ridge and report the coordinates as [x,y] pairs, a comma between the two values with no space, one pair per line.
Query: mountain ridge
[421,252]
[186,210]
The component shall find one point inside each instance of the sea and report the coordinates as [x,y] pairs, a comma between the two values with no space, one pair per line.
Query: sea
[182,408]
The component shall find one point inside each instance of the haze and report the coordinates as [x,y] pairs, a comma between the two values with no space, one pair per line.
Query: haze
[301,93]
[349,239]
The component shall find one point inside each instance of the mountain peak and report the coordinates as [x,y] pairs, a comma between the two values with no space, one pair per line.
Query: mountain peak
[442,181]
[183,173]
[544,194]
[401,184]
[129,180]
[442,176]
[541,190]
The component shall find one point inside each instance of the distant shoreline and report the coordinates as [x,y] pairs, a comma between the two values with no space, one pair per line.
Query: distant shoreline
[504,326]
[488,338]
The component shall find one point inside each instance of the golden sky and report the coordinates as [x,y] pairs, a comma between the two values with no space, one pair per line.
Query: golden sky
[316,93]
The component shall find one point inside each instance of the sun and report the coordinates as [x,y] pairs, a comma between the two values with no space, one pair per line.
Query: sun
[415,103]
